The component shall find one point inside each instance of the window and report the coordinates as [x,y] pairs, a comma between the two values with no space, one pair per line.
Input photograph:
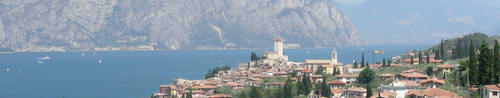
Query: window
[495,93]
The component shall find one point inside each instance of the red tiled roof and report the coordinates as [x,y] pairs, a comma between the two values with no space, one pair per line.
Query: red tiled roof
[433,80]
[445,66]
[204,87]
[412,71]
[494,87]
[221,96]
[335,82]
[347,75]
[409,83]
[433,92]
[413,75]
[337,91]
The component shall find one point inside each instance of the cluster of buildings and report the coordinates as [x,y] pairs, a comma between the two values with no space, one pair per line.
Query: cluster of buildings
[407,84]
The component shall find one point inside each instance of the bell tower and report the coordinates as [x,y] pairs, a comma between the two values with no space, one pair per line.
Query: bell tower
[334,56]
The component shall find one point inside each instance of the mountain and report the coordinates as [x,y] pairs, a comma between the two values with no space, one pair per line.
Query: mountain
[420,21]
[172,24]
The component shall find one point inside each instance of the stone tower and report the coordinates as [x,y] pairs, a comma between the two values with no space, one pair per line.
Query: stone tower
[278,46]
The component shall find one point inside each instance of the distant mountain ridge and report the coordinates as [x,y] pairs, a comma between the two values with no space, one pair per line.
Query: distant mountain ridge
[172,24]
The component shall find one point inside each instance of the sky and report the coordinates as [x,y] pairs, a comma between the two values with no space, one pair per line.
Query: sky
[420,22]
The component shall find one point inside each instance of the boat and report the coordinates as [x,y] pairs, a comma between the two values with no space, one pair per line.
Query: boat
[40,62]
[100,61]
[44,58]
[93,54]
[7,69]
[83,53]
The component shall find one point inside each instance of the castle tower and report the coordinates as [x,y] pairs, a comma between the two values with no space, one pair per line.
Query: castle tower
[334,56]
[278,46]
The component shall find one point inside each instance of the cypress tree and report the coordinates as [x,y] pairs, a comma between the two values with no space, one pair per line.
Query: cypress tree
[389,62]
[355,64]
[384,63]
[306,85]
[442,51]
[420,58]
[190,93]
[362,59]
[496,53]
[485,64]
[325,89]
[369,92]
[411,60]
[288,89]
[473,69]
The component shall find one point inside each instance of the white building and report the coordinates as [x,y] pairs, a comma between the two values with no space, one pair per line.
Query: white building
[396,87]
[490,91]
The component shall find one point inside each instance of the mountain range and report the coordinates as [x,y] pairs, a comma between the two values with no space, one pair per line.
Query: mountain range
[172,24]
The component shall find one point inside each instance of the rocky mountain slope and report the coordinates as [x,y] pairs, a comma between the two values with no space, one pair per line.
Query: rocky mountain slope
[172,24]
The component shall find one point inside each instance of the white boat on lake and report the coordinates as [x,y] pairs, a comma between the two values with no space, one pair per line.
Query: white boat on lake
[44,58]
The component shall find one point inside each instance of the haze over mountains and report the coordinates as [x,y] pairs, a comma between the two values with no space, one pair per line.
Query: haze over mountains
[172,24]
[420,21]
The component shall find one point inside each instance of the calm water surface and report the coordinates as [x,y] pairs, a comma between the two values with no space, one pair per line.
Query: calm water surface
[132,74]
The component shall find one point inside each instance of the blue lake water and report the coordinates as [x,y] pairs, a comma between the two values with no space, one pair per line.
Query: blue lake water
[133,74]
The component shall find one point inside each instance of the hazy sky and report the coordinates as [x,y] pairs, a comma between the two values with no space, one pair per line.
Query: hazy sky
[420,21]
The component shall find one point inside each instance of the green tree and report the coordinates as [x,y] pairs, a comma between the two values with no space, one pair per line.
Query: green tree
[411,60]
[362,59]
[485,64]
[420,58]
[473,69]
[190,93]
[384,63]
[429,71]
[255,92]
[288,89]
[306,86]
[389,62]
[369,92]
[355,64]
[254,57]
[442,51]
[496,53]
[325,89]
[366,76]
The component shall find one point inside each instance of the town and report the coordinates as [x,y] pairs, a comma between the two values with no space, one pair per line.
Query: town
[416,74]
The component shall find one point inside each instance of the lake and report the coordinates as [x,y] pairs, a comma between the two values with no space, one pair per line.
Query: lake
[134,74]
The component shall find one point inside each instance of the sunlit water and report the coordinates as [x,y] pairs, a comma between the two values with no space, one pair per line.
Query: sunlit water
[132,74]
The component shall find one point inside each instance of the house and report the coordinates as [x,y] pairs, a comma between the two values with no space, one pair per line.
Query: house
[387,76]
[397,87]
[432,83]
[410,84]
[317,78]
[347,78]
[445,68]
[336,84]
[413,75]
[167,90]
[431,93]
[207,89]
[490,91]
[355,92]
[337,93]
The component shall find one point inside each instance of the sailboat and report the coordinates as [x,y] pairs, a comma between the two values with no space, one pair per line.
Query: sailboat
[83,53]
[100,61]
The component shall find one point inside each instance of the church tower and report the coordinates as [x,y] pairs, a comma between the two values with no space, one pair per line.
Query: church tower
[334,56]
